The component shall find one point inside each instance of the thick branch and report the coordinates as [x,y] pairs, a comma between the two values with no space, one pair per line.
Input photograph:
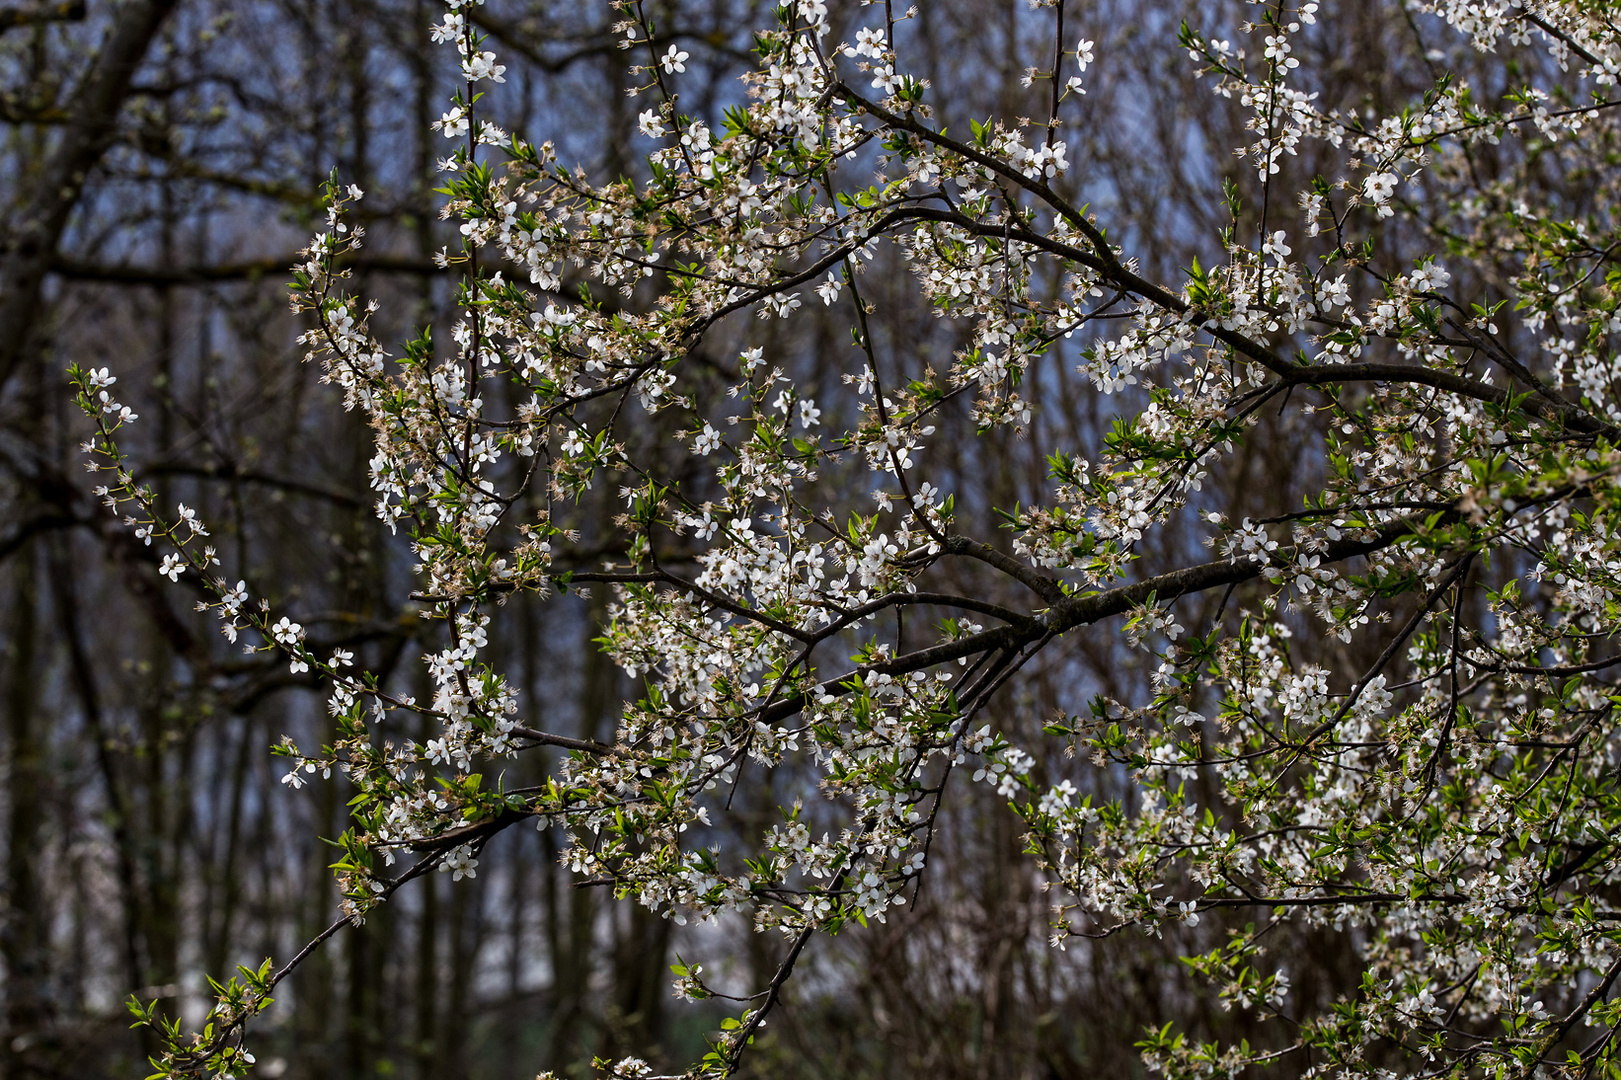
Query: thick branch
[1075,611]
[251,270]
[36,13]
[28,250]
[1103,259]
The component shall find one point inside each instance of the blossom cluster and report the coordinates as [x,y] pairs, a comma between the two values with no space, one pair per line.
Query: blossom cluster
[1450,802]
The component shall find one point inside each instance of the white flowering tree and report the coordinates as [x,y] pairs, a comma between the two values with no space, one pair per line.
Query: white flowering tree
[1398,726]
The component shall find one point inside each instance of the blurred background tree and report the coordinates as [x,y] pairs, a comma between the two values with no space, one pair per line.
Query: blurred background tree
[161,162]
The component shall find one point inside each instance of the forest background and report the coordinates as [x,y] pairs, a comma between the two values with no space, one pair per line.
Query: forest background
[160,167]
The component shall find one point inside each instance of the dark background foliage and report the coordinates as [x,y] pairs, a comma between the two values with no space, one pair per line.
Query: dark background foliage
[159,168]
